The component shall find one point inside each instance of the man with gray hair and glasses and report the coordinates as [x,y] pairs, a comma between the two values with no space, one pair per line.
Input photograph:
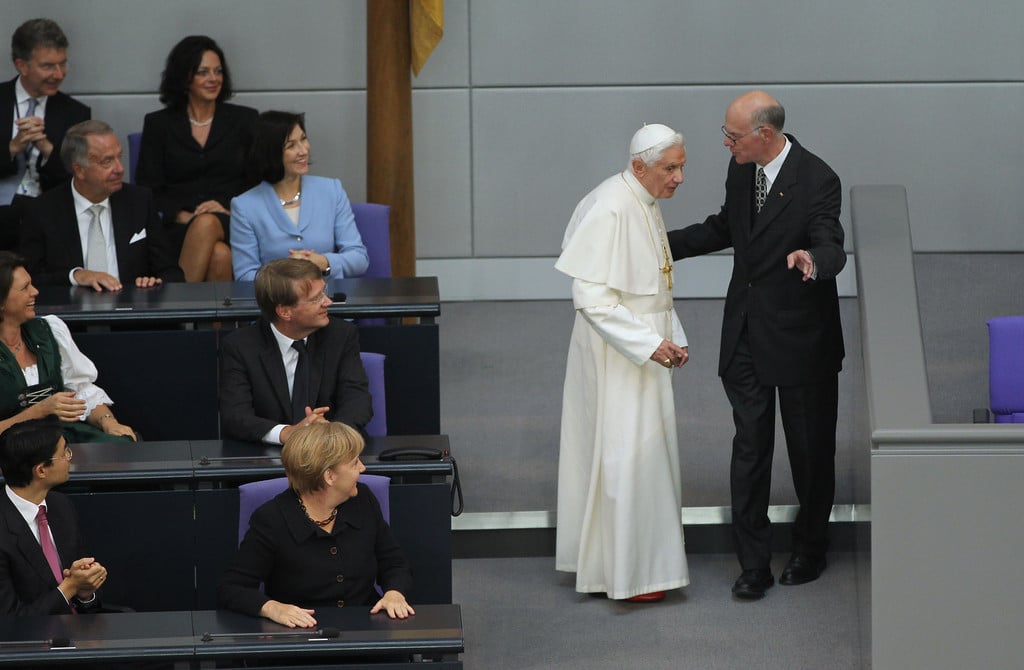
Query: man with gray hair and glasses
[781,333]
[38,114]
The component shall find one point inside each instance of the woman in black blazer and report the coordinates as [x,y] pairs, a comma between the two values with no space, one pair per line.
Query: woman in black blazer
[193,156]
[321,543]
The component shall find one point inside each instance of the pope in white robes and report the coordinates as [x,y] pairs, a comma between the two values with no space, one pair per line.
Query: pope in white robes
[619,491]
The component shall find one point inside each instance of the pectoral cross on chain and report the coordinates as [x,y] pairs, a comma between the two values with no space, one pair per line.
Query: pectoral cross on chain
[667,267]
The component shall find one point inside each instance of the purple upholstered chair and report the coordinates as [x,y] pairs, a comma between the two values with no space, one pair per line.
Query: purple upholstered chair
[254,494]
[1006,368]
[374,366]
[374,224]
[134,143]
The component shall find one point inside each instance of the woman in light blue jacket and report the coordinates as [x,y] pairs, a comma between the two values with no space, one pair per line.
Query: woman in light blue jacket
[290,212]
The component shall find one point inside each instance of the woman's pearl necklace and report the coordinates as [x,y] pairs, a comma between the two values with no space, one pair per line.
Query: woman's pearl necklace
[200,124]
[285,203]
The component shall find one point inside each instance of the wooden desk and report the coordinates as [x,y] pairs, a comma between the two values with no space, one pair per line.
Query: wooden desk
[199,638]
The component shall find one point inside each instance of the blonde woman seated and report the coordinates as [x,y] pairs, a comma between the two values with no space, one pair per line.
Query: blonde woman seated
[292,213]
[42,371]
[324,525]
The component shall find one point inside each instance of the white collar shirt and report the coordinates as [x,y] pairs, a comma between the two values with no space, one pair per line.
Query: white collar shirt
[771,170]
[290,358]
[84,218]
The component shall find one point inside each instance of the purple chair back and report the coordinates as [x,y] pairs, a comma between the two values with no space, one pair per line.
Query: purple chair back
[1006,368]
[374,224]
[134,143]
[254,494]
[374,366]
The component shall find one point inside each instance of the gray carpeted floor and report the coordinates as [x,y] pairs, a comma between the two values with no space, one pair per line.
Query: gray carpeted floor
[520,613]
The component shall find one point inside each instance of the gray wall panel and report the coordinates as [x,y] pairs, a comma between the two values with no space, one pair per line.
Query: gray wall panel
[119,46]
[556,144]
[734,41]
[441,174]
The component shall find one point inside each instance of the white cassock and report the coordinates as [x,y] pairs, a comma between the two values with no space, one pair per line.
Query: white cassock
[619,494]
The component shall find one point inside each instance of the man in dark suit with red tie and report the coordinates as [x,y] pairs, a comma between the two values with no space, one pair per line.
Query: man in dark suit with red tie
[39,115]
[43,568]
[781,332]
[96,231]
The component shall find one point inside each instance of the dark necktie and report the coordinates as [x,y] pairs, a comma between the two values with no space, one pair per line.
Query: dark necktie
[46,541]
[760,190]
[300,386]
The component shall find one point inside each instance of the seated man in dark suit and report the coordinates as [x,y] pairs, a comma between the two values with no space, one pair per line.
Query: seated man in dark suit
[43,569]
[96,230]
[37,116]
[294,366]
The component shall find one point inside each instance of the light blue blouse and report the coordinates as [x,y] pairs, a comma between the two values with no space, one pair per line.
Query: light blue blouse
[261,230]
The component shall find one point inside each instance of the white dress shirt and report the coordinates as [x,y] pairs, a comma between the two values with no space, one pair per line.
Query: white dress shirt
[290,358]
[82,205]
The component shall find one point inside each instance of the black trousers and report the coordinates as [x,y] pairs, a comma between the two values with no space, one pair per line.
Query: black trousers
[809,414]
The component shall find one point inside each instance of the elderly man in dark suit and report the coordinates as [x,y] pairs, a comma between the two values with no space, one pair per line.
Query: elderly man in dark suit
[781,333]
[43,568]
[96,230]
[38,115]
[294,366]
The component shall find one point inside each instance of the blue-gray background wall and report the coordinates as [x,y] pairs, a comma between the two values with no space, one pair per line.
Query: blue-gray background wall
[526,105]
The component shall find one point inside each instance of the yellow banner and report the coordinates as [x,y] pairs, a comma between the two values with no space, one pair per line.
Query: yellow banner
[426,25]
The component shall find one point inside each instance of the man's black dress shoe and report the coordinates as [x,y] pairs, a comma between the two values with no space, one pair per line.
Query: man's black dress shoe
[801,569]
[752,584]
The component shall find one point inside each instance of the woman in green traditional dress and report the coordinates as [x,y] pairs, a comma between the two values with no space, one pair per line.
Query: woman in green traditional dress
[42,371]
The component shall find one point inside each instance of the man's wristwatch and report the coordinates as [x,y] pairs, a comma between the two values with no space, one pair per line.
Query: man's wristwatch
[326,272]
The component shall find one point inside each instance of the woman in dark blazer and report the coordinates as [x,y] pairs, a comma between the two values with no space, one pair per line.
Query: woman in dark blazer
[325,526]
[193,156]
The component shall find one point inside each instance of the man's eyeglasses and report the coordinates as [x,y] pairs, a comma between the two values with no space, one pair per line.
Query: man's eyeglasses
[65,457]
[318,299]
[734,138]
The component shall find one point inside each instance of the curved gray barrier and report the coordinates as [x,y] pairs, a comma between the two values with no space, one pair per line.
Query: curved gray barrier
[946,535]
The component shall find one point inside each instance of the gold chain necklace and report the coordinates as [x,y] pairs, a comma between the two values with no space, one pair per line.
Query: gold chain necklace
[328,520]
[665,269]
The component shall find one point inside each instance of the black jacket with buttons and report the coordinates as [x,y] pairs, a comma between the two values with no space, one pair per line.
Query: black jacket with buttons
[301,564]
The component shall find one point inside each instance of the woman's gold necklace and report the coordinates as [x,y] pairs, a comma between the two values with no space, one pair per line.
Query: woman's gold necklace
[328,520]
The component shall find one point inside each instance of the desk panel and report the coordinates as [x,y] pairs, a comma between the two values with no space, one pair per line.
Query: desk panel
[229,301]
[194,638]
[95,638]
[435,630]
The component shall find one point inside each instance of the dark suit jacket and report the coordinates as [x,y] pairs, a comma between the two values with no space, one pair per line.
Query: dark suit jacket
[295,562]
[183,174]
[62,112]
[26,584]
[52,245]
[254,392]
[793,326]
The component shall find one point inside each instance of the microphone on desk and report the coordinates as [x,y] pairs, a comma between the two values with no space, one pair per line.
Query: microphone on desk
[319,634]
[54,643]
